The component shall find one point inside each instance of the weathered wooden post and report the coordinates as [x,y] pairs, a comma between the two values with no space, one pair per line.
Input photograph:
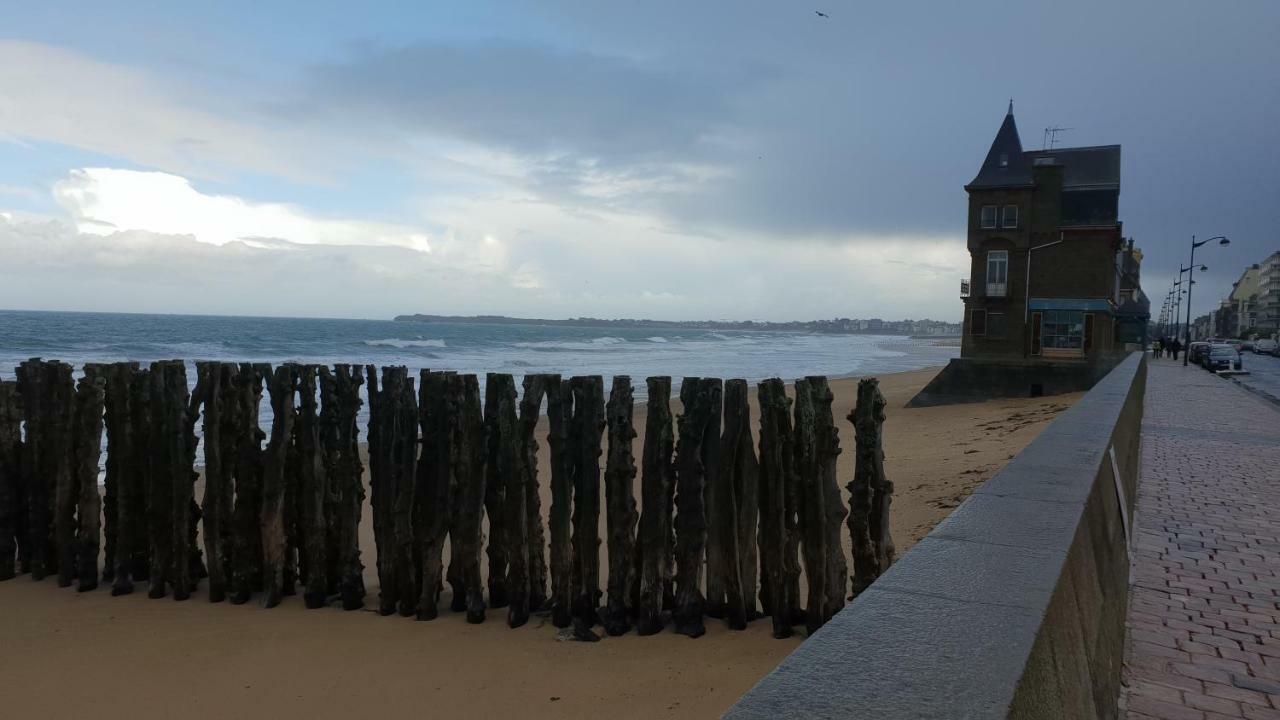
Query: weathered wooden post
[216,504]
[86,449]
[12,498]
[313,492]
[31,388]
[405,452]
[343,469]
[714,600]
[871,492]
[139,469]
[282,386]
[434,493]
[467,453]
[776,470]
[500,464]
[58,428]
[587,430]
[620,501]
[734,519]
[392,457]
[247,550]
[526,537]
[827,443]
[124,491]
[159,482]
[702,400]
[656,484]
[812,514]
[559,416]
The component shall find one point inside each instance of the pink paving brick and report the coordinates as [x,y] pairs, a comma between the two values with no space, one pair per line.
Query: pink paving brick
[1205,584]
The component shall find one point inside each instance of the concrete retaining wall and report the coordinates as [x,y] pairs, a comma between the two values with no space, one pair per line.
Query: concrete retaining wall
[966,380]
[1014,606]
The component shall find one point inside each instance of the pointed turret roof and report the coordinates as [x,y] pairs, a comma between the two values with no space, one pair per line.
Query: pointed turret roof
[1005,165]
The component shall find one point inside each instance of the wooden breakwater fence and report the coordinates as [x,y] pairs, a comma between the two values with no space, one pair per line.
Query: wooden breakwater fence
[719,524]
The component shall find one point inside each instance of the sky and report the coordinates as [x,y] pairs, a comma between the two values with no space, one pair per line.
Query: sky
[736,159]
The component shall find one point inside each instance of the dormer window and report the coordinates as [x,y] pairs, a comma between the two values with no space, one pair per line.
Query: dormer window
[1010,219]
[1004,159]
[988,217]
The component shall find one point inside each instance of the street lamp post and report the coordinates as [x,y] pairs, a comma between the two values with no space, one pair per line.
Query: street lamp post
[1222,240]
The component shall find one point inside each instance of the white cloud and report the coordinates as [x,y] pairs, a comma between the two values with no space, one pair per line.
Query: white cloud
[54,95]
[103,201]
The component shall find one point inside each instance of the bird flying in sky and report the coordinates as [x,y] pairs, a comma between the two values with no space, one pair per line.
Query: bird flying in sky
[821,14]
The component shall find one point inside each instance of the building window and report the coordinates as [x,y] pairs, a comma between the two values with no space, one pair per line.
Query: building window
[997,273]
[995,325]
[978,322]
[988,216]
[1062,330]
[1010,216]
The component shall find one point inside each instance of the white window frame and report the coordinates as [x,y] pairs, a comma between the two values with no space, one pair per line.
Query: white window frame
[1001,259]
[995,217]
[1004,216]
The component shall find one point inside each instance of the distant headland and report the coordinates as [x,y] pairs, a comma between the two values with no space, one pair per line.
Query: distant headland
[848,326]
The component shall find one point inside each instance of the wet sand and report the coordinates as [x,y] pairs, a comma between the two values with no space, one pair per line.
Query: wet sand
[64,654]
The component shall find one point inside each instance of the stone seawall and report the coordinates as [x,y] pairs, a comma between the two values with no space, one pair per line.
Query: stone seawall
[1014,606]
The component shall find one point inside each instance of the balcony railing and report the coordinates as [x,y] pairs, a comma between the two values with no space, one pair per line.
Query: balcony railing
[964,288]
[997,289]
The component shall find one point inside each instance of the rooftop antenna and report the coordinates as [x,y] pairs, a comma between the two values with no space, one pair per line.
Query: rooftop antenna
[1051,136]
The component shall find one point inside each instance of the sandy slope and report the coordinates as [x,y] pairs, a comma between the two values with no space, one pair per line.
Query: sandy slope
[63,653]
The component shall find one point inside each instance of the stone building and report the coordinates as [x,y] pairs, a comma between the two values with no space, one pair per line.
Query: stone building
[1244,296]
[1054,291]
[1267,314]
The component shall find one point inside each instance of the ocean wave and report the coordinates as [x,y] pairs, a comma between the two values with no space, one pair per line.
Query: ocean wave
[399,343]
[592,344]
[657,339]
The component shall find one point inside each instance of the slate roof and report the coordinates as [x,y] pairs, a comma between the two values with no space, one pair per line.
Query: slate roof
[1084,168]
[1006,165]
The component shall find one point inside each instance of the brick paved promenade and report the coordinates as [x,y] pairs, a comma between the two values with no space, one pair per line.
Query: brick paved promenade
[1204,614]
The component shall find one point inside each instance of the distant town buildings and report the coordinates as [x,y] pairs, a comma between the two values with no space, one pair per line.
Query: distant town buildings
[1251,310]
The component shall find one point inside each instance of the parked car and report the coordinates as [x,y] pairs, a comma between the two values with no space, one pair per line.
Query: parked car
[1264,347]
[1246,345]
[1222,357]
[1195,350]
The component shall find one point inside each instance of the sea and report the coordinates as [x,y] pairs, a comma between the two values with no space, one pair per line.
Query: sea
[80,337]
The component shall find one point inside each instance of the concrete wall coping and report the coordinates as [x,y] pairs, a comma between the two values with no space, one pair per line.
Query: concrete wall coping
[949,631]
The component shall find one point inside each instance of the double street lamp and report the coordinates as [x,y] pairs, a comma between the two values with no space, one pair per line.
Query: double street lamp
[1191,273]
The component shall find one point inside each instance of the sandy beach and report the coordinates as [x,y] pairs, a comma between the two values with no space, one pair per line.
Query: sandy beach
[69,654]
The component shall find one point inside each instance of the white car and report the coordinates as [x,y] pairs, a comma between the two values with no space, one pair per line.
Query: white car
[1264,347]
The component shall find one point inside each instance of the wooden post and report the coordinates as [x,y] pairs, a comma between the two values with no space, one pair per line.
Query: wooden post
[559,413]
[812,515]
[620,500]
[86,450]
[735,509]
[216,505]
[12,497]
[340,447]
[313,491]
[716,571]
[697,397]
[500,452]
[466,451]
[31,388]
[139,471]
[124,488]
[871,492]
[392,457]
[247,551]
[181,413]
[827,441]
[656,484]
[527,574]
[159,484]
[501,487]
[282,387]
[57,426]
[434,494]
[405,453]
[586,431]
[193,516]
[776,453]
